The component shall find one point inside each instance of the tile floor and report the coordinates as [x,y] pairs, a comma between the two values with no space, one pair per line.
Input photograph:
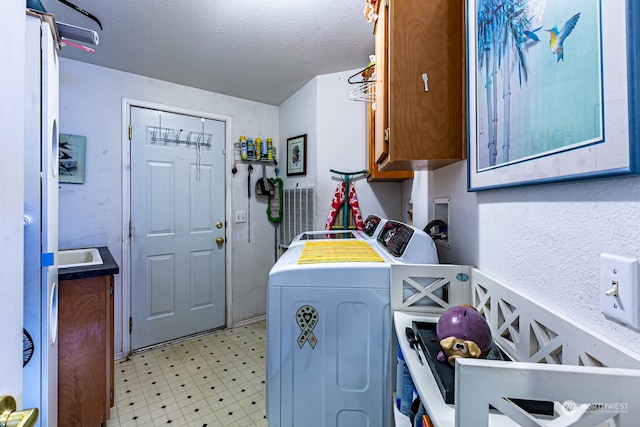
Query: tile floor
[216,380]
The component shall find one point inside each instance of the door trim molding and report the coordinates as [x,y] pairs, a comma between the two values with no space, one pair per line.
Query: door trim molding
[125,269]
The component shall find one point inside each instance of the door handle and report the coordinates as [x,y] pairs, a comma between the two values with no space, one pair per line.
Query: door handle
[218,225]
[9,417]
[219,241]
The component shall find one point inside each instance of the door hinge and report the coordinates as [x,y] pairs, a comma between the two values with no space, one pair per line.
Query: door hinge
[130,132]
[130,325]
[111,290]
[130,230]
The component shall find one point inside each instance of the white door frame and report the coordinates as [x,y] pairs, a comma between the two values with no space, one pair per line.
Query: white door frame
[125,268]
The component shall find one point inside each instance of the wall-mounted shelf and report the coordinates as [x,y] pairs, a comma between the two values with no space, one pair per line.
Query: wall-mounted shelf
[254,159]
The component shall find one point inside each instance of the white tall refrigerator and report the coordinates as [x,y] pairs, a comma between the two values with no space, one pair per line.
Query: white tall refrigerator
[40,374]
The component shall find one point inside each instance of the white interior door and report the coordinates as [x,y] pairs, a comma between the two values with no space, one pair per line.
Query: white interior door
[177,221]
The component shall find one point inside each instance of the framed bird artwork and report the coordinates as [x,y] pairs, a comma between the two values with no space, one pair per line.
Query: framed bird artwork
[71,158]
[551,90]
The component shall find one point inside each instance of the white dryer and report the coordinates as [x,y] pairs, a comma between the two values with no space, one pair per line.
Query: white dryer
[372,226]
[328,327]
[332,235]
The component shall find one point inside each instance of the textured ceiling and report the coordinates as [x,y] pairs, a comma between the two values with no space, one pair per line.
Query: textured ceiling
[259,50]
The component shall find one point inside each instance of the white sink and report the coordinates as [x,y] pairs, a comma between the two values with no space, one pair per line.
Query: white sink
[78,257]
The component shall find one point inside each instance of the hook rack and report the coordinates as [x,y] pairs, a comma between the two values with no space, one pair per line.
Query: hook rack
[193,138]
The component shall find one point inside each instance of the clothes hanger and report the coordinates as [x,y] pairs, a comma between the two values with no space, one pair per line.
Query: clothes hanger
[82,11]
[364,74]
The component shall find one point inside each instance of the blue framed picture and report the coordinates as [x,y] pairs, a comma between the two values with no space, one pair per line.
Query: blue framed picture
[551,91]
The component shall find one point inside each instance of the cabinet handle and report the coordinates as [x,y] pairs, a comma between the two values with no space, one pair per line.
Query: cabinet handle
[425,78]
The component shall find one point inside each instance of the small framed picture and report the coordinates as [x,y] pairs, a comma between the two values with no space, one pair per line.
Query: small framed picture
[297,155]
[71,158]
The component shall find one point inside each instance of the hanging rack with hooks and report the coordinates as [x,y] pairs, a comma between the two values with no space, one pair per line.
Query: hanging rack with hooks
[165,136]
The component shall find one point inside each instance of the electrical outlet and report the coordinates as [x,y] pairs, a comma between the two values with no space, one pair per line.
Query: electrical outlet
[619,289]
[241,216]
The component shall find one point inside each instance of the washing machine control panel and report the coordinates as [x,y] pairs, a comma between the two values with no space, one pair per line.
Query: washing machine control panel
[407,243]
[371,224]
[394,237]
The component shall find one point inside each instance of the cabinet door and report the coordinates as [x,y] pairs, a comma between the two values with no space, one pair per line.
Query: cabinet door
[375,174]
[425,128]
[381,147]
[110,346]
[83,360]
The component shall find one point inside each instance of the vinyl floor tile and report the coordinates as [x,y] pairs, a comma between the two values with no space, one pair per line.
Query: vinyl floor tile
[215,380]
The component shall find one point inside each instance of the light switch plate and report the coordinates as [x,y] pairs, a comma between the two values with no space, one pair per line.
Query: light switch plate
[241,216]
[619,288]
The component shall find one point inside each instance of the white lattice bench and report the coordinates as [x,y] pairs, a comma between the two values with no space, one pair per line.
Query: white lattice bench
[590,381]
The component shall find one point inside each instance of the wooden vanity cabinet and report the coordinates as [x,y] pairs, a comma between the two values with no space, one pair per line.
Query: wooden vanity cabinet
[417,129]
[86,353]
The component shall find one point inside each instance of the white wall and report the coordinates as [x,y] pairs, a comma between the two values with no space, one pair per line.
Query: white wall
[298,117]
[336,138]
[12,30]
[545,240]
[91,214]
[342,133]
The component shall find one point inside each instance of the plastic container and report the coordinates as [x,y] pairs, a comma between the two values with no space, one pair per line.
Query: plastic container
[243,147]
[404,385]
[251,149]
[258,148]
[269,149]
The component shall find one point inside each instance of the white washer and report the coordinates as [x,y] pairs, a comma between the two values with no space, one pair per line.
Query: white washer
[328,328]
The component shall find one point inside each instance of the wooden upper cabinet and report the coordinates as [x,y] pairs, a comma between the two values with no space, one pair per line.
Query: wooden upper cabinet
[417,129]
[377,116]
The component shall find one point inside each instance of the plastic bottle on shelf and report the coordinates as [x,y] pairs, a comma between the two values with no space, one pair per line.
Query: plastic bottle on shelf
[404,385]
[251,149]
[269,149]
[265,148]
[258,148]
[243,147]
